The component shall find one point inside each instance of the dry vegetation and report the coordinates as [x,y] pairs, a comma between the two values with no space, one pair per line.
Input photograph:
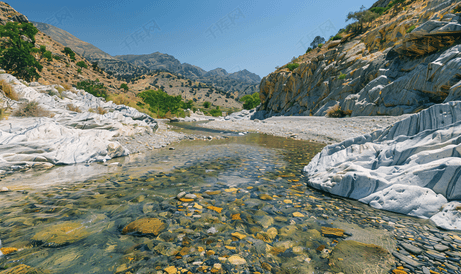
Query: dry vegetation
[32,109]
[9,90]
[73,108]
[336,112]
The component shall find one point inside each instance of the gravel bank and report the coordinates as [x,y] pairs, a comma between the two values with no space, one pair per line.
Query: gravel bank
[312,128]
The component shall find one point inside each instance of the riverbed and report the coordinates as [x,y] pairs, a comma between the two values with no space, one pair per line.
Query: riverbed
[226,203]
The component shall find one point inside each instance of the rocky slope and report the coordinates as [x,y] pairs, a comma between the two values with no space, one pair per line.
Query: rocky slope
[407,60]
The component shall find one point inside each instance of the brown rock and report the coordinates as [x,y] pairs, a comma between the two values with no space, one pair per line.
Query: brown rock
[265,197]
[332,232]
[61,234]
[8,250]
[22,269]
[353,257]
[145,226]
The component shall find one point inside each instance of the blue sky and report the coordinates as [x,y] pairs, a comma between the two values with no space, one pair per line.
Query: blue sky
[255,35]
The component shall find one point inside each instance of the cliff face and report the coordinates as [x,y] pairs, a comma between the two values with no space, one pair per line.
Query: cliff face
[408,60]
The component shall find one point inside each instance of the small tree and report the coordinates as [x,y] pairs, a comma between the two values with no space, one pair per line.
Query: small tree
[16,50]
[82,64]
[206,104]
[251,101]
[360,17]
[124,86]
[317,41]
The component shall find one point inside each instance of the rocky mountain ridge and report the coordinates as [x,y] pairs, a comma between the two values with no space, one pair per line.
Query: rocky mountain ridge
[131,66]
[407,60]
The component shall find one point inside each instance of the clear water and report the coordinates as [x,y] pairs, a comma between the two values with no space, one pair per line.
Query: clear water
[93,203]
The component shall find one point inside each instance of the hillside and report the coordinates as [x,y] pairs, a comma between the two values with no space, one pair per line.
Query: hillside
[61,70]
[243,82]
[90,52]
[404,61]
[131,66]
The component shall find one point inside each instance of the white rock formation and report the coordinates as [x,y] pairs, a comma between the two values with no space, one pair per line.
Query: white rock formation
[412,167]
[69,137]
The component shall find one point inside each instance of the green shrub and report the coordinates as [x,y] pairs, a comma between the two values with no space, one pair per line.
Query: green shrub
[206,104]
[251,101]
[16,53]
[48,55]
[342,76]
[378,10]
[160,102]
[320,45]
[95,88]
[411,29]
[337,37]
[69,52]
[457,9]
[291,67]
[124,86]
[309,49]
[82,64]
[57,57]
[79,70]
[31,109]
[216,112]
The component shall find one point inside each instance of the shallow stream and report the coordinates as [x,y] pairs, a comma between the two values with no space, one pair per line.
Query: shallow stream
[248,211]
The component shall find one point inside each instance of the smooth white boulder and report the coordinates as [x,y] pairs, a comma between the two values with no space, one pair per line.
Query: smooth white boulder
[412,167]
[68,137]
[450,216]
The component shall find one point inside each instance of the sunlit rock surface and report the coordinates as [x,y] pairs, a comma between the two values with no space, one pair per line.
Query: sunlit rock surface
[68,137]
[412,167]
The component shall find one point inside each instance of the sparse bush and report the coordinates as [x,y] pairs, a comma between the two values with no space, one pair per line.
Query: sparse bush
[121,100]
[336,37]
[82,64]
[320,45]
[8,90]
[411,29]
[31,109]
[48,55]
[95,88]
[101,111]
[124,86]
[335,111]
[457,9]
[206,104]
[79,70]
[309,49]
[342,76]
[291,67]
[216,112]
[69,52]
[57,57]
[73,108]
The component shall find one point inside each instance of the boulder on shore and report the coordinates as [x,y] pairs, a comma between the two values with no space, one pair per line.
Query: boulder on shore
[412,167]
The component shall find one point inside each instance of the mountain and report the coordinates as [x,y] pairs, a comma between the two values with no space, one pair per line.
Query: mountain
[110,64]
[403,61]
[218,78]
[131,66]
